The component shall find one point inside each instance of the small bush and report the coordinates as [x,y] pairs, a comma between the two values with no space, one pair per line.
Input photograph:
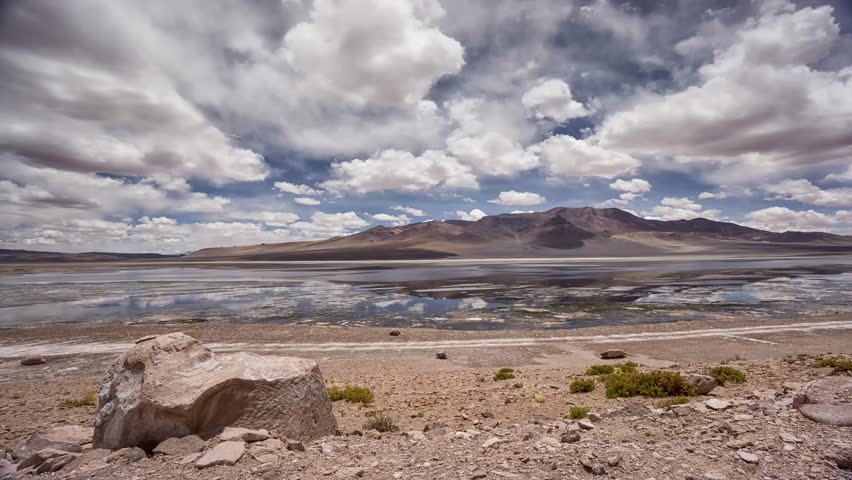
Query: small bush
[577,413]
[504,374]
[382,423]
[724,375]
[581,385]
[539,398]
[350,393]
[609,369]
[89,400]
[838,364]
[518,385]
[656,384]
[671,402]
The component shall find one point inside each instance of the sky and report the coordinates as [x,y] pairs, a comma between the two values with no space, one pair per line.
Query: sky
[164,126]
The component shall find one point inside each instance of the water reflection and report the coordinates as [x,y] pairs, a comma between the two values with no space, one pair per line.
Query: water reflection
[520,295]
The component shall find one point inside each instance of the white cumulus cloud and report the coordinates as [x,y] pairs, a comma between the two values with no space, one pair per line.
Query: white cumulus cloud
[518,198]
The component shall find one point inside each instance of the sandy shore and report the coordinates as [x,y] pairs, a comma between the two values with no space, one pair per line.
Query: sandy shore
[413,386]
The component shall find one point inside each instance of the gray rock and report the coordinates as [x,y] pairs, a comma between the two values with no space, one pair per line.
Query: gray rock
[126,455]
[172,386]
[180,446]
[478,474]
[236,434]
[585,424]
[295,446]
[68,438]
[790,438]
[88,457]
[487,415]
[441,355]
[570,438]
[703,384]
[717,404]
[33,360]
[36,459]
[493,442]
[55,464]
[225,453]
[629,410]
[614,353]
[748,457]
[437,425]
[828,401]
[841,458]
[327,448]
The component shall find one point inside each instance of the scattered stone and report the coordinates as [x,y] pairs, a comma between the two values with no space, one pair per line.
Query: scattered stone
[180,446]
[327,448]
[349,472]
[717,404]
[35,460]
[570,438]
[487,415]
[191,458]
[88,457]
[437,425]
[33,360]
[477,474]
[748,457]
[493,442]
[173,386]
[55,463]
[585,424]
[225,453]
[629,410]
[703,384]
[126,455]
[68,438]
[612,354]
[395,333]
[790,438]
[415,436]
[714,476]
[267,458]
[295,446]
[441,355]
[594,417]
[236,434]
[613,460]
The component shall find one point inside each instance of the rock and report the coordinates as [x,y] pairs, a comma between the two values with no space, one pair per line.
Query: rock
[271,444]
[56,463]
[36,459]
[415,436]
[7,470]
[126,455]
[748,457]
[172,386]
[395,333]
[225,453]
[267,458]
[327,448]
[714,476]
[180,446]
[594,417]
[703,384]
[790,438]
[236,434]
[493,442]
[295,446]
[570,438]
[438,425]
[841,458]
[68,438]
[487,415]
[477,474]
[585,424]
[33,360]
[441,355]
[629,410]
[716,404]
[592,466]
[191,458]
[611,354]
[613,460]
[87,457]
[827,401]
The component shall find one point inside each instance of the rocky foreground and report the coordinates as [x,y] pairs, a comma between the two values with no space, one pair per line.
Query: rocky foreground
[790,419]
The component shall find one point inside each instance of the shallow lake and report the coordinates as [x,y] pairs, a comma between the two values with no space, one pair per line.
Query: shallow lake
[483,294]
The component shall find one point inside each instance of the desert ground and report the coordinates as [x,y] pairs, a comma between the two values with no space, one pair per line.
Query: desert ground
[486,428]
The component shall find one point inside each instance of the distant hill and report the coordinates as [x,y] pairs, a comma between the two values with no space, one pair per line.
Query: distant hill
[559,232]
[29,256]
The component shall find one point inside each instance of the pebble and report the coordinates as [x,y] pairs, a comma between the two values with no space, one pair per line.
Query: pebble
[33,360]
[716,404]
[748,457]
[586,424]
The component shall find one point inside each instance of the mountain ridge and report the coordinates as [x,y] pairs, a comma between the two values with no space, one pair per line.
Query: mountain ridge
[560,231]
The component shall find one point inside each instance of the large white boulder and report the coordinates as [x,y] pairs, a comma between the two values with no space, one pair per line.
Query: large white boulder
[172,386]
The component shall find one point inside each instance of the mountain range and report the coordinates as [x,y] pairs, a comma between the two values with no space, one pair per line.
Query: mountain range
[559,232]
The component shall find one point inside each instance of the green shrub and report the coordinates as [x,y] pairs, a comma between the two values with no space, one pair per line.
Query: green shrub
[504,374]
[668,402]
[656,384]
[838,364]
[582,385]
[518,385]
[724,375]
[382,423]
[350,393]
[608,369]
[89,400]
[577,413]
